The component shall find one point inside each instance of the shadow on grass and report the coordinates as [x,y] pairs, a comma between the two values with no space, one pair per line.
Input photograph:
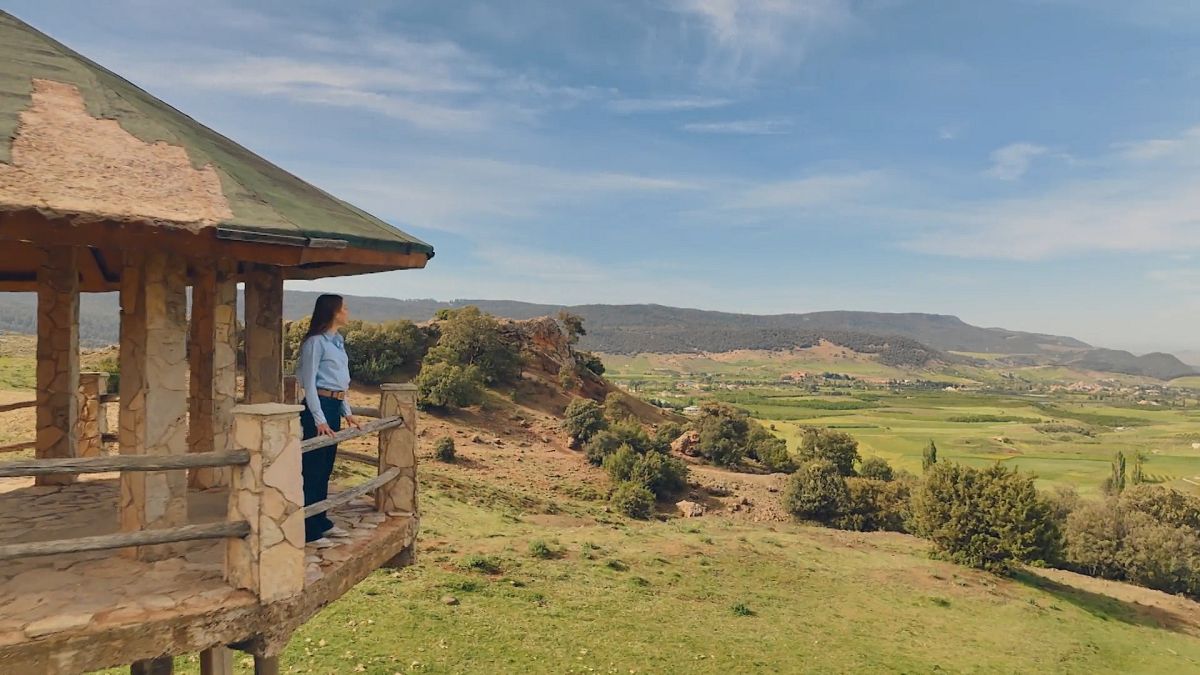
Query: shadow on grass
[1107,608]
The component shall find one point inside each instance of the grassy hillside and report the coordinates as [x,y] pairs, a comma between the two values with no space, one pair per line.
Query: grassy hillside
[718,594]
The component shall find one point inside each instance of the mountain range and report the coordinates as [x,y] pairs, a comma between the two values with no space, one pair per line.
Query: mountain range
[630,329]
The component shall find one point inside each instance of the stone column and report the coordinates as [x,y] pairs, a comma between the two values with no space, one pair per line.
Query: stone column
[264,334]
[398,448]
[57,359]
[212,361]
[92,422]
[153,387]
[267,494]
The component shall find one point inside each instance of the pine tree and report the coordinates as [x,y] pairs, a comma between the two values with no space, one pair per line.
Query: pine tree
[929,456]
[1118,473]
[1138,476]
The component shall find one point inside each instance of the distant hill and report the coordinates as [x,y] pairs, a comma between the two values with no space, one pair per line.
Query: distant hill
[909,339]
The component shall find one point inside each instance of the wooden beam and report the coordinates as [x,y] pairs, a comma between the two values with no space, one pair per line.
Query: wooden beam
[216,661]
[124,540]
[346,496]
[17,406]
[350,432]
[77,465]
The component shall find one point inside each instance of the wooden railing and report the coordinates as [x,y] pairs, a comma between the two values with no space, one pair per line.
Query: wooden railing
[92,401]
[268,433]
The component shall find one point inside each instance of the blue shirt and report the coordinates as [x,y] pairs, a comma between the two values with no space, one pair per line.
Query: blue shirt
[323,364]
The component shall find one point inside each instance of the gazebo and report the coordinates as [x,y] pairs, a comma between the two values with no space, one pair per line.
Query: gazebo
[190,538]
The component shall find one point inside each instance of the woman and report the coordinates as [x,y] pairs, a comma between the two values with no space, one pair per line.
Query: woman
[323,371]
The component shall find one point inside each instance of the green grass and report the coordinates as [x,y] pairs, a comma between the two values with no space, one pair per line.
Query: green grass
[17,373]
[655,598]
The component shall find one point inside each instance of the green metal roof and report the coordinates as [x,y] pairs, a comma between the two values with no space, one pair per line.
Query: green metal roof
[262,197]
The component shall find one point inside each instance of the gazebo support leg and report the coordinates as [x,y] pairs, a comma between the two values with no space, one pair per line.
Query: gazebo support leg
[57,359]
[212,361]
[266,665]
[264,334]
[153,393]
[216,661]
[163,665]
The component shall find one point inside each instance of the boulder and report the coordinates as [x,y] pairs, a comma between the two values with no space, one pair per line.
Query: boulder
[690,509]
[687,444]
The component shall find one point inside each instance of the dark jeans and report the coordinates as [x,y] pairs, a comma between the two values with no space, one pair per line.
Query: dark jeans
[317,465]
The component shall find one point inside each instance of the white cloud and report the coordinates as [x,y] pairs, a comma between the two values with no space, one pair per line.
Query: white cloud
[1186,146]
[832,190]
[1013,160]
[744,127]
[650,105]
[749,36]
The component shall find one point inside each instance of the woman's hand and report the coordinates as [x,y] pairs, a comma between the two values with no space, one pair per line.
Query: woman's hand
[324,430]
[353,421]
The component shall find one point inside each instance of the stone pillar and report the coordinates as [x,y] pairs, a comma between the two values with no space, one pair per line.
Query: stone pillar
[92,422]
[398,448]
[212,361]
[291,389]
[153,387]
[57,359]
[267,494]
[264,334]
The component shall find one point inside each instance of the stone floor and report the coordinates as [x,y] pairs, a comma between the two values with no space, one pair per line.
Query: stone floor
[93,592]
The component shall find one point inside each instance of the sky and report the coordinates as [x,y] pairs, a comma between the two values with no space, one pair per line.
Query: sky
[1031,164]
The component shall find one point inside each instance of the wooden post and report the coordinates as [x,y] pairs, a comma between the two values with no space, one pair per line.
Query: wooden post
[212,362]
[216,661]
[57,358]
[291,389]
[264,334]
[153,416]
[266,665]
[93,422]
[163,665]
[267,494]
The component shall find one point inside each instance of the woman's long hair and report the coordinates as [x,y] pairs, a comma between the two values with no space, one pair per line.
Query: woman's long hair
[327,307]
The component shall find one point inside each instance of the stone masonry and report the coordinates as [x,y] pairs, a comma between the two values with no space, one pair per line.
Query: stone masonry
[92,423]
[212,360]
[154,408]
[57,358]
[398,448]
[267,494]
[264,334]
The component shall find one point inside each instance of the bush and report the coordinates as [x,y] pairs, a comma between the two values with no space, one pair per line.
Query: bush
[567,378]
[664,435]
[773,454]
[1144,537]
[540,549]
[876,468]
[873,504]
[988,518]
[470,337]
[607,441]
[376,350]
[591,362]
[583,419]
[617,408]
[443,449]
[633,500]
[816,491]
[662,474]
[619,464]
[445,385]
[723,433]
[112,366]
[481,563]
[837,447]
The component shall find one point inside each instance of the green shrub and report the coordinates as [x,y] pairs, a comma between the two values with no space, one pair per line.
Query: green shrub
[633,500]
[590,361]
[837,447]
[874,505]
[443,449]
[741,609]
[989,518]
[1095,533]
[607,441]
[540,549]
[567,378]
[662,474]
[481,563]
[445,385]
[376,350]
[112,366]
[619,464]
[876,468]
[929,456]
[664,435]
[583,419]
[724,432]
[769,450]
[470,337]
[617,407]
[816,491]
[1165,505]
[1161,556]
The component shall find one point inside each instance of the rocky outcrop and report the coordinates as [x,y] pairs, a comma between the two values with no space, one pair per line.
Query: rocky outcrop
[687,444]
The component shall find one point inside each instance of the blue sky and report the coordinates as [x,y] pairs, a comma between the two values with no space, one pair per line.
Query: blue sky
[1032,164]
